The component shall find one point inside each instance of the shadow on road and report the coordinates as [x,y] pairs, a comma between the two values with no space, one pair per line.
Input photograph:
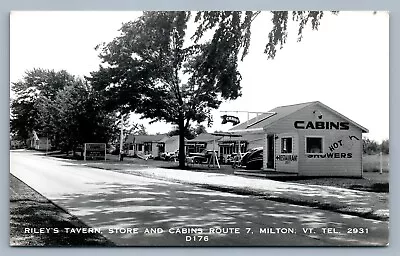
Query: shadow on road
[167,205]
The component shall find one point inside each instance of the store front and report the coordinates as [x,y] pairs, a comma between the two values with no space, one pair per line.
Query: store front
[309,139]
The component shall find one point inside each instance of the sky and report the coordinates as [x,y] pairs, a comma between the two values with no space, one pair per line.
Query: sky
[345,64]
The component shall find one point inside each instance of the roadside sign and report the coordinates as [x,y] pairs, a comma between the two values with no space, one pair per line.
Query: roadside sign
[95,151]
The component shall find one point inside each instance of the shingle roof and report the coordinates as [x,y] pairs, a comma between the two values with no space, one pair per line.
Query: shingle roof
[269,118]
[264,120]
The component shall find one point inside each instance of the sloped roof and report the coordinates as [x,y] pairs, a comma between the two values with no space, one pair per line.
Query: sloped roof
[245,137]
[267,119]
[363,129]
[205,137]
[173,139]
[146,138]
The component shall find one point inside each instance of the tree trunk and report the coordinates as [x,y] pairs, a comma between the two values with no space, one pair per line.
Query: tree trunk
[182,159]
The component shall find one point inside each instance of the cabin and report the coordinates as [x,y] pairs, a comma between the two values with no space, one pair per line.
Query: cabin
[234,144]
[204,141]
[225,143]
[39,142]
[146,144]
[172,144]
[308,139]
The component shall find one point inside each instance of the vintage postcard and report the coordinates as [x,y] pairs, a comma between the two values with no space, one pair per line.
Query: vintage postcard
[195,129]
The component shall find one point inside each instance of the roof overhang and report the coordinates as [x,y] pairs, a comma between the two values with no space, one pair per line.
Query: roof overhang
[226,134]
[250,130]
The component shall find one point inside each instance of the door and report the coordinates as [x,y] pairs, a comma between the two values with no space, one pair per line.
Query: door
[286,152]
[270,151]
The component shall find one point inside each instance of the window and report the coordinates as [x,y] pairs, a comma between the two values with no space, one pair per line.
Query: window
[147,147]
[140,147]
[314,145]
[286,145]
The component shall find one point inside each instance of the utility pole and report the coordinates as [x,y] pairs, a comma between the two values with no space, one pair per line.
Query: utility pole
[121,141]
[47,144]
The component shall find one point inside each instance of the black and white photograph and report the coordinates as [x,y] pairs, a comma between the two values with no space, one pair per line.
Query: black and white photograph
[181,128]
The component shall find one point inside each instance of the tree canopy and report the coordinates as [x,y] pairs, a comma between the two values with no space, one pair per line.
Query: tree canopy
[61,107]
[372,147]
[236,26]
[151,69]
[32,96]
[190,132]
[81,117]
[158,70]
[154,68]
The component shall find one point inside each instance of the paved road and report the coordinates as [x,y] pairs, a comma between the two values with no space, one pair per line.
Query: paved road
[123,206]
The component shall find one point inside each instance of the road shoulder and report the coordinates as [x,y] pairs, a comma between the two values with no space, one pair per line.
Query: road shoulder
[36,221]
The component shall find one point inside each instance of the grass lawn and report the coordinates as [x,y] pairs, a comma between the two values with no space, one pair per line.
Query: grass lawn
[372,180]
[371,163]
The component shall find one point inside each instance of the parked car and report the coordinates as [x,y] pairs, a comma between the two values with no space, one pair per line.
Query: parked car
[229,158]
[234,158]
[173,156]
[202,157]
[253,159]
[169,156]
[164,156]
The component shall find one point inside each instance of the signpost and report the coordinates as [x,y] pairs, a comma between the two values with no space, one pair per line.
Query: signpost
[121,140]
[235,120]
[95,151]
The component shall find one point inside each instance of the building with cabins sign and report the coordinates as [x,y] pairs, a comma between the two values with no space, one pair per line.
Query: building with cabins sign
[308,139]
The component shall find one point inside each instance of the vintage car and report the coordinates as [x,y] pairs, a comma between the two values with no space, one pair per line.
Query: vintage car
[234,158]
[170,156]
[202,157]
[173,156]
[253,159]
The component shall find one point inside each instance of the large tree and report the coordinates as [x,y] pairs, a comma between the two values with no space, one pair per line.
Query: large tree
[81,117]
[61,107]
[153,68]
[32,98]
[167,78]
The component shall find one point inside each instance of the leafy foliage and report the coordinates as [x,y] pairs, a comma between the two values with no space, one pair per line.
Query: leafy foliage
[371,147]
[190,132]
[200,129]
[81,117]
[385,146]
[61,107]
[234,27]
[141,130]
[152,70]
[31,107]
[136,129]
